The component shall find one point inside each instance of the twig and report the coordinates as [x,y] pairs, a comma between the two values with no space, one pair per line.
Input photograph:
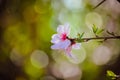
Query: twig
[98,38]
[99,4]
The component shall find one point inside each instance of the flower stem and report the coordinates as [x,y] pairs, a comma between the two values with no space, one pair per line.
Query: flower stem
[97,38]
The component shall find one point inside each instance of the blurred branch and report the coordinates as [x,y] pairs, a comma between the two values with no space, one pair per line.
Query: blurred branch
[96,38]
[118,1]
[110,33]
[99,4]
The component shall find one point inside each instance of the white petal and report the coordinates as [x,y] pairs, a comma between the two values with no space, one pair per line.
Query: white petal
[76,46]
[67,28]
[55,46]
[60,29]
[65,44]
[64,29]
[55,38]
[61,45]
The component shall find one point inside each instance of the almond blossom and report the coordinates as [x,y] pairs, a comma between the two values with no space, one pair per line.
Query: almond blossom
[61,40]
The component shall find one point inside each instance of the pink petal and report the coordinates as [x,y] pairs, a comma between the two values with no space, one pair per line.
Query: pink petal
[68,50]
[76,46]
[55,46]
[65,44]
[72,57]
[55,38]
[69,53]
[61,45]
[60,29]
[64,29]
[67,28]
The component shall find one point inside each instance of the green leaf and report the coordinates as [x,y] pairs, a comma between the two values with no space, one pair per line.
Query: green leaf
[111,75]
[94,28]
[99,31]
[79,39]
[82,35]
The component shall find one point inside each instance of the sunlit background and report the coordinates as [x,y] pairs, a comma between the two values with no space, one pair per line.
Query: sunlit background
[26,27]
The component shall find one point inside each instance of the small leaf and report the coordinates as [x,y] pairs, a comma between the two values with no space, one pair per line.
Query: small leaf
[79,39]
[94,28]
[111,75]
[99,31]
[82,35]
[78,34]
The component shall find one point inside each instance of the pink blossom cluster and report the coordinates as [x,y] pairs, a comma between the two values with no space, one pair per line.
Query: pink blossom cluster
[61,40]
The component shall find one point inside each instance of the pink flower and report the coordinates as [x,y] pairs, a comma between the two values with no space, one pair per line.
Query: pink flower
[61,41]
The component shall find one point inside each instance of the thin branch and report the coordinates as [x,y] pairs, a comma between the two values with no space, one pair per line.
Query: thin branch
[98,38]
[99,4]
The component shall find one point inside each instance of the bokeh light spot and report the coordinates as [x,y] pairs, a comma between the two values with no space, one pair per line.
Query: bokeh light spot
[73,4]
[47,78]
[79,54]
[55,70]
[93,18]
[39,59]
[66,70]
[33,71]
[101,55]
[69,70]
[58,56]
[16,57]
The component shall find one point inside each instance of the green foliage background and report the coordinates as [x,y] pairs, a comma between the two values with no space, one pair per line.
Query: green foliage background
[27,25]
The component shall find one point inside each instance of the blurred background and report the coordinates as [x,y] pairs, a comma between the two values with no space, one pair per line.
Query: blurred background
[26,27]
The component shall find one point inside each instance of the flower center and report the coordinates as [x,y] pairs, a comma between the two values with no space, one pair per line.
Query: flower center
[64,36]
[72,43]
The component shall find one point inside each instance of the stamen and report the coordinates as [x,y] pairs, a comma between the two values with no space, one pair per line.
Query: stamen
[64,36]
